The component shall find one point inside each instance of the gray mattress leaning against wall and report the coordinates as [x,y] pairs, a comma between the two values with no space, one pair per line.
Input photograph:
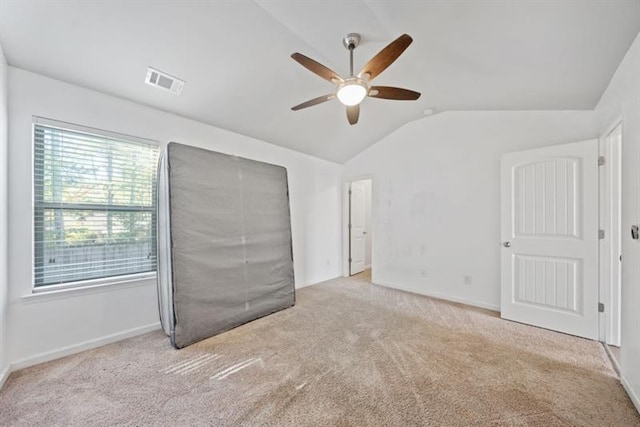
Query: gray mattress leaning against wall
[224,242]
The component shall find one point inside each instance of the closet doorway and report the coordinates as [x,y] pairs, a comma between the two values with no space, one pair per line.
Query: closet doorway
[359,226]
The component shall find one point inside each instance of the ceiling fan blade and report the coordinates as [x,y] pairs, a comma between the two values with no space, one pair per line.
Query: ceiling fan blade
[389,92]
[317,68]
[314,101]
[385,57]
[353,112]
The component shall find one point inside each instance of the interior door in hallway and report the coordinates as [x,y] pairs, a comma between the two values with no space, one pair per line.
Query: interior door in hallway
[357,227]
[550,238]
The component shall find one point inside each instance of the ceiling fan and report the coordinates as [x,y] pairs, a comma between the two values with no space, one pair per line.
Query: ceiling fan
[352,90]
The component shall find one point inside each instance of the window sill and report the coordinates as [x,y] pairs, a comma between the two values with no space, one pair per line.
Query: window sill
[89,287]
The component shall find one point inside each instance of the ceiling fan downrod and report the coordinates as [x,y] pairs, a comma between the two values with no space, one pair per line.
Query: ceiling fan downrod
[350,42]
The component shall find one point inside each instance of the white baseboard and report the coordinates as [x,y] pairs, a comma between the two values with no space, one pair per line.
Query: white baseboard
[304,285]
[631,392]
[4,375]
[437,295]
[83,346]
[612,358]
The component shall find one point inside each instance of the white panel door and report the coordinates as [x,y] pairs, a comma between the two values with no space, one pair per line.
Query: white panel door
[550,238]
[357,229]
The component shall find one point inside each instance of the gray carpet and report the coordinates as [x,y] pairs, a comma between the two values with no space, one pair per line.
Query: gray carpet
[349,353]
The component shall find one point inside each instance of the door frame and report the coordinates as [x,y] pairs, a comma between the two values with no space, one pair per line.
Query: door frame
[346,214]
[610,266]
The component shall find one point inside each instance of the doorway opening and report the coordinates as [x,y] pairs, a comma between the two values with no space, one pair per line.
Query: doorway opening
[611,242]
[359,227]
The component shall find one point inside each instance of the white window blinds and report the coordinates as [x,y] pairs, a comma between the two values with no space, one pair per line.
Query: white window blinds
[94,205]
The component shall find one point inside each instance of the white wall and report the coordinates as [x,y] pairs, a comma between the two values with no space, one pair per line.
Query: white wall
[4,362]
[43,327]
[436,201]
[621,100]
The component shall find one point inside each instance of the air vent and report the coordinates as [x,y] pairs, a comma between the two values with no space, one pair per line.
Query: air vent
[164,81]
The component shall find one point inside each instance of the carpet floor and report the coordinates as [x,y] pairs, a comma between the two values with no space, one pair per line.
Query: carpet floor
[350,354]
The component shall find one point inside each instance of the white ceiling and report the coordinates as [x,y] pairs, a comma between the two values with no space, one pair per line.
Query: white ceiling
[234,56]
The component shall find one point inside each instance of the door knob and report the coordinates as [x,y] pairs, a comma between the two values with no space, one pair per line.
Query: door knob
[506,244]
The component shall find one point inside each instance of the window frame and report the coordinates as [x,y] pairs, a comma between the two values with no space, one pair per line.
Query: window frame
[38,209]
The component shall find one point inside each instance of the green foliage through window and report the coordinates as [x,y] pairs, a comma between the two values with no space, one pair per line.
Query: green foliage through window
[95,205]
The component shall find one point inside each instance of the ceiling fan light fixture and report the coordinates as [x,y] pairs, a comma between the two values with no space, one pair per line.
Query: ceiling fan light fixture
[352,91]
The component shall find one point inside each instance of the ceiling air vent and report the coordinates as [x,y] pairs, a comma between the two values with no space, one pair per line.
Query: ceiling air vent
[164,81]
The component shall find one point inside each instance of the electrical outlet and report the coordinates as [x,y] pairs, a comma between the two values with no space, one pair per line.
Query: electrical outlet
[467,280]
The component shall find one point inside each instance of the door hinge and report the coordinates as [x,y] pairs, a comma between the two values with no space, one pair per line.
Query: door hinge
[350,260]
[600,234]
[600,307]
[601,161]
[349,226]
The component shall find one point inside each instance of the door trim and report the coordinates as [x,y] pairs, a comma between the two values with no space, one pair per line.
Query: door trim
[610,267]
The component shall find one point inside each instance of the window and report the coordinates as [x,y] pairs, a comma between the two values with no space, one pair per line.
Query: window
[94,204]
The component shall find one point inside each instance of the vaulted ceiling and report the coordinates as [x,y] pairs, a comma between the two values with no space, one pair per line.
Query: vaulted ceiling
[235,58]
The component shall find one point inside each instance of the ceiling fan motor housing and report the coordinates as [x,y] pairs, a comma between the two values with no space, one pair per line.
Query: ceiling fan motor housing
[351,41]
